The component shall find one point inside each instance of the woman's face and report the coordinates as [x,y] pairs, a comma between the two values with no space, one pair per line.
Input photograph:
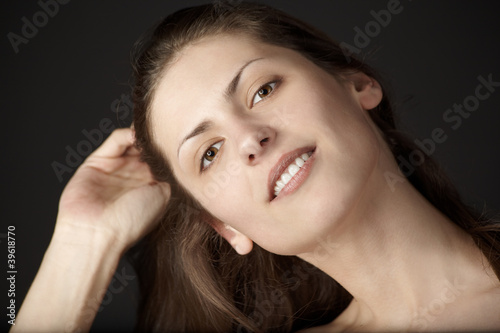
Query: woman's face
[229,111]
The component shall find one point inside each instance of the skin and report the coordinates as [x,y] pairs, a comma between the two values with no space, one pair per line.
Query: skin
[407,266]
[308,108]
[345,218]
[110,202]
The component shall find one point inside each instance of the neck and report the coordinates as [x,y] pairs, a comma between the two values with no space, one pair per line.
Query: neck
[397,255]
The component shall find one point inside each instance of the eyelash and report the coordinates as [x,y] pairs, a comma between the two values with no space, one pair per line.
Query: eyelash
[273,84]
[204,168]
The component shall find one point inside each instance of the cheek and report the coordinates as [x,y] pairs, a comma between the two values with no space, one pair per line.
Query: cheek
[348,154]
[352,147]
[351,159]
[231,198]
[217,183]
[315,101]
[226,193]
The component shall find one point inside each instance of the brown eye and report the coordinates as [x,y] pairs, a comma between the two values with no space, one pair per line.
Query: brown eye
[210,155]
[263,92]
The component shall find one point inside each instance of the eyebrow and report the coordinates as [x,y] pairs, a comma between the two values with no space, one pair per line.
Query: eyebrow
[205,125]
[202,127]
[233,85]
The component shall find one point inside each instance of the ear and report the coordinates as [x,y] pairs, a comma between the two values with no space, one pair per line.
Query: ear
[240,243]
[366,89]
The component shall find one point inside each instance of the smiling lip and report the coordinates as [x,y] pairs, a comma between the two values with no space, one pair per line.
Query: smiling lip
[282,165]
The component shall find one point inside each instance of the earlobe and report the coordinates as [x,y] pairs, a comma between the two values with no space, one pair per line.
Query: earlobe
[240,243]
[367,90]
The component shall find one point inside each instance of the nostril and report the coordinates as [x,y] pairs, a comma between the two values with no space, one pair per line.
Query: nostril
[251,157]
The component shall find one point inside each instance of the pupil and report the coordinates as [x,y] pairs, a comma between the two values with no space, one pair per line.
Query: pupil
[211,153]
[264,91]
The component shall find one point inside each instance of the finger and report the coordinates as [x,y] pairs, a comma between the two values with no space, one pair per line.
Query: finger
[132,151]
[116,144]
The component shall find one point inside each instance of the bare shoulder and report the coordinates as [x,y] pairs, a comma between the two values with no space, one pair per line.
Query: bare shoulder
[469,312]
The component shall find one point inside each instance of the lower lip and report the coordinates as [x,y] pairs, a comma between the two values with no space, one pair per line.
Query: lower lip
[297,179]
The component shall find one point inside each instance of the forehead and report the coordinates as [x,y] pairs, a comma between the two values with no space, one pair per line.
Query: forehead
[192,87]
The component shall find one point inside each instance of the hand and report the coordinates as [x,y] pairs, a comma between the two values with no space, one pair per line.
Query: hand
[113,193]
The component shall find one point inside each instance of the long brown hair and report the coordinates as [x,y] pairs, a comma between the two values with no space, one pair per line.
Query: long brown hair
[190,278]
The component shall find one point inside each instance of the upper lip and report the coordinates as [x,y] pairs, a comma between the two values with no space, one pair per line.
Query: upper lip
[281,166]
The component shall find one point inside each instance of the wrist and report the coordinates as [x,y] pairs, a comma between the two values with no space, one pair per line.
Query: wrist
[83,247]
[87,235]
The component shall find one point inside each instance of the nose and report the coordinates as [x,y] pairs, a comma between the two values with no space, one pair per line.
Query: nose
[255,142]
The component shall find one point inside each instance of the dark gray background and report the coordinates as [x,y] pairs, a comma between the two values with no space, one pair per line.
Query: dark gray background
[65,79]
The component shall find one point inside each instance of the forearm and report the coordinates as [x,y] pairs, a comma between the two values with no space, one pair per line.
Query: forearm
[70,284]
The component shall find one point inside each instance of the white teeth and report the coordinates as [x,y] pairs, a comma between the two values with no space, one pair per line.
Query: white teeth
[285,177]
[292,169]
